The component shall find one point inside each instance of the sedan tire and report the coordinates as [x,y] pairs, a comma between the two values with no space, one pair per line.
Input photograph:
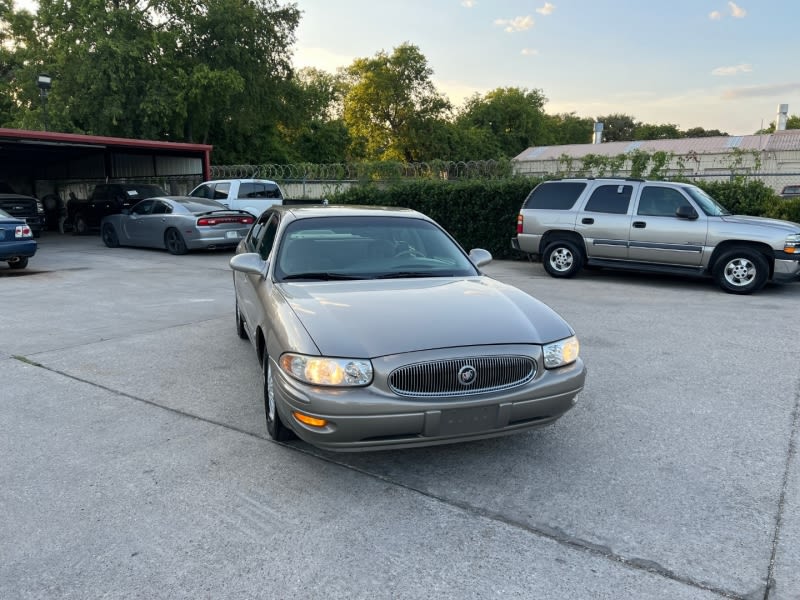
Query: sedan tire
[109,235]
[741,271]
[19,264]
[173,240]
[275,427]
[240,330]
[562,259]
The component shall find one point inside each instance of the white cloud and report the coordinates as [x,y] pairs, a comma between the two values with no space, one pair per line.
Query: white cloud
[516,24]
[529,52]
[737,12]
[547,9]
[715,15]
[762,91]
[733,70]
[468,3]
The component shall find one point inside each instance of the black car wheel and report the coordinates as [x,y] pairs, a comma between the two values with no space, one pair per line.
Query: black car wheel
[173,240]
[562,258]
[240,331]
[741,271]
[20,263]
[275,427]
[110,236]
[79,225]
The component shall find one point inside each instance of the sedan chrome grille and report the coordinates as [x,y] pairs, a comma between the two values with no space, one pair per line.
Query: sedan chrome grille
[462,376]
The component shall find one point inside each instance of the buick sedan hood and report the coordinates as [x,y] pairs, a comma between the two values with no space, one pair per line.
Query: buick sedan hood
[374,318]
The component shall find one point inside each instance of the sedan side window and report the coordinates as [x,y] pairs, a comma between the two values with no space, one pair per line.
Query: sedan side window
[658,201]
[161,208]
[145,207]
[268,239]
[262,235]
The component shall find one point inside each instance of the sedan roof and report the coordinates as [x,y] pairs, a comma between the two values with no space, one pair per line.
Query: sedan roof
[344,210]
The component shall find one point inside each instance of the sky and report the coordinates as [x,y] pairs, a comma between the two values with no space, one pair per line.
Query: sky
[714,64]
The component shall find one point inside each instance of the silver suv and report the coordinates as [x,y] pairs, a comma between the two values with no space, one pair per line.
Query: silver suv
[653,226]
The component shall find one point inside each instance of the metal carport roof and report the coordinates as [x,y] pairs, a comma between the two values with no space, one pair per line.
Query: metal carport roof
[46,155]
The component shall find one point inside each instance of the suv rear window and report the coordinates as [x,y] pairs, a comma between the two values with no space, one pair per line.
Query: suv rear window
[556,195]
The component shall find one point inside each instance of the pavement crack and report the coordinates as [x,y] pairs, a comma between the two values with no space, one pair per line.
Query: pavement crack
[790,458]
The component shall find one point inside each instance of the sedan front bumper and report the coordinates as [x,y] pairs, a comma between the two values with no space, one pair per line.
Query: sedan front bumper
[372,417]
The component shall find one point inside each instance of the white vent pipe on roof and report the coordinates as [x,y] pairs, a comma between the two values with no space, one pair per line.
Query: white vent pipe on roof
[783,115]
[598,133]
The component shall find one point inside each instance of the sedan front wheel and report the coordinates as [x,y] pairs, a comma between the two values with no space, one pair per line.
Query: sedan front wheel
[109,235]
[275,427]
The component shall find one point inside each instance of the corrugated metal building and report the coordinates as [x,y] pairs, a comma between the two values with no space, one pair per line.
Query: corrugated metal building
[774,157]
[42,162]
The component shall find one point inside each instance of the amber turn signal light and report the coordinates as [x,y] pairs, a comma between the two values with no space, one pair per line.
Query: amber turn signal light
[313,421]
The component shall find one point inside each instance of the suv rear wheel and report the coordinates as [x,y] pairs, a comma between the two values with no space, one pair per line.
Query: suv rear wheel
[741,271]
[562,258]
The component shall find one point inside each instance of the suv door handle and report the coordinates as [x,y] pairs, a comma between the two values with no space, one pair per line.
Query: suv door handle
[639,224]
[587,221]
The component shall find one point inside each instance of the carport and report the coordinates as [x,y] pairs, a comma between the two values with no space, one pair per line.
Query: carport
[41,163]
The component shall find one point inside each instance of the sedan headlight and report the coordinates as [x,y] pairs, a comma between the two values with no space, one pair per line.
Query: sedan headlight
[322,370]
[561,353]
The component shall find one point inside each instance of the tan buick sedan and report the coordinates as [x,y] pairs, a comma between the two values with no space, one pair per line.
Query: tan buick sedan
[376,330]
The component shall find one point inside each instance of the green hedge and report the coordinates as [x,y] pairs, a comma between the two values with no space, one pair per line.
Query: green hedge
[479,214]
[483,213]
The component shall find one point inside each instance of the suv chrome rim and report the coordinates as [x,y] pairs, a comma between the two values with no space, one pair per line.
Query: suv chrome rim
[561,259]
[740,272]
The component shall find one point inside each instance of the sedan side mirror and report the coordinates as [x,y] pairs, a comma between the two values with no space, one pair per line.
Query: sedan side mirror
[684,211]
[249,263]
[480,257]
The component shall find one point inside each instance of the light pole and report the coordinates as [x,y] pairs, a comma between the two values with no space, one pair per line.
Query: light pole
[44,81]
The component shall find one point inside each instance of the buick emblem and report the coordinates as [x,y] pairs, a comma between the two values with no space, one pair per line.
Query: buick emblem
[467,375]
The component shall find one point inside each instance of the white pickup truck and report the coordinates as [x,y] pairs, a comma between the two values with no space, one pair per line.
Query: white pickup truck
[253,195]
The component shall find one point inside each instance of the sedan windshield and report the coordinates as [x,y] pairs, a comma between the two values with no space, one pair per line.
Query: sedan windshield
[707,204]
[366,247]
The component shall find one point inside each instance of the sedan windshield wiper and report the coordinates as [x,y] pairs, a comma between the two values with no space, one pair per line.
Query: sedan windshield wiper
[322,276]
[410,274]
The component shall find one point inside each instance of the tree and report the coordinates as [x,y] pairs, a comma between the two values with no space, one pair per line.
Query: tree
[647,131]
[512,119]
[567,128]
[312,124]
[390,100]
[793,122]
[698,132]
[617,127]
[212,71]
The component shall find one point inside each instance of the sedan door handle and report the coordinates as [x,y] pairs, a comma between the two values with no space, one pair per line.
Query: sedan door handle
[587,221]
[639,224]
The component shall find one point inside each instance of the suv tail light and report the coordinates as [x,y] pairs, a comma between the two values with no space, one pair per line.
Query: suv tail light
[22,231]
[211,221]
[519,223]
